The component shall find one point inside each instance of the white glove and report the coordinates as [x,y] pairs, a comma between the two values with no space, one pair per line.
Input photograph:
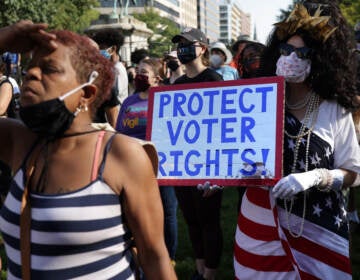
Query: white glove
[296,182]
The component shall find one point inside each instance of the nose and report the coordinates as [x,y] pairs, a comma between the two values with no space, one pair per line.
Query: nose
[32,73]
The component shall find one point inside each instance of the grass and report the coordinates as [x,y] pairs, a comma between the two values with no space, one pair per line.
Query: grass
[184,259]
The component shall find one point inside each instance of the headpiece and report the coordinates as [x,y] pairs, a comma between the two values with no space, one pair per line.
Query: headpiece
[318,26]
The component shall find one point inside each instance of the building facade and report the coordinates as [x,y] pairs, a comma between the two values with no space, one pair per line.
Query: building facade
[233,21]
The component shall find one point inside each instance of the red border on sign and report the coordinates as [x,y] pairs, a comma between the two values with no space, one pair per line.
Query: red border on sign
[279,130]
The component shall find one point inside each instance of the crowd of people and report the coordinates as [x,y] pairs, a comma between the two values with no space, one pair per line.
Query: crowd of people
[78,178]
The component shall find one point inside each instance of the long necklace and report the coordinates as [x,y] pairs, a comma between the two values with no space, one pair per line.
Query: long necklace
[309,121]
[301,104]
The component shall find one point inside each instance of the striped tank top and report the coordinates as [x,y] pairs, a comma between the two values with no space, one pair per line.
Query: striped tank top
[77,235]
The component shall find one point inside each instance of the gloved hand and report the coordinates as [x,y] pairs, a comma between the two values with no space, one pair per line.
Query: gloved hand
[297,182]
[208,188]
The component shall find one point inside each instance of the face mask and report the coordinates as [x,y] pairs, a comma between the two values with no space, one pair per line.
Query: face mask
[173,65]
[51,118]
[215,60]
[186,54]
[251,65]
[105,54]
[294,69]
[141,83]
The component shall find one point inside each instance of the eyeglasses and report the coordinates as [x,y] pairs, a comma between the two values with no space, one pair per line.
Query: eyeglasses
[302,53]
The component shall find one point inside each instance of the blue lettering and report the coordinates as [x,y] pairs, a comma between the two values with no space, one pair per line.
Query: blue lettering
[179,100]
[225,130]
[230,153]
[247,124]
[188,163]
[225,101]
[241,101]
[174,137]
[209,123]
[176,171]
[196,133]
[162,160]
[211,94]
[199,103]
[164,100]
[215,162]
[249,162]
[264,91]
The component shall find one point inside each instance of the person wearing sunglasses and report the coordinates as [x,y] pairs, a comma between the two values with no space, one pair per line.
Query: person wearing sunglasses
[298,228]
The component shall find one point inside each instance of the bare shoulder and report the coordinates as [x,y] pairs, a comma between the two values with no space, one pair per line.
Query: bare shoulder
[133,161]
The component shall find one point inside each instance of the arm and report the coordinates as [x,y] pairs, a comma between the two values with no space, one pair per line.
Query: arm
[112,115]
[144,213]
[23,35]
[5,97]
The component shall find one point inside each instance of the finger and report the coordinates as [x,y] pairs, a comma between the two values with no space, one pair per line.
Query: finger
[288,192]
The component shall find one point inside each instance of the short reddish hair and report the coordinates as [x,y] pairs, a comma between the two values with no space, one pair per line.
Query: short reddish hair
[85,58]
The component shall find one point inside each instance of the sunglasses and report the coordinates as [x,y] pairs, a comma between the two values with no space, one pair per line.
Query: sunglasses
[302,53]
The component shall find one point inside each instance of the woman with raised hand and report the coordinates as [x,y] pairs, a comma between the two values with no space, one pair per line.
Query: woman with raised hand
[80,195]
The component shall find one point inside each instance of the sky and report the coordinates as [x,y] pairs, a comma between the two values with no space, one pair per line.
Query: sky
[263,14]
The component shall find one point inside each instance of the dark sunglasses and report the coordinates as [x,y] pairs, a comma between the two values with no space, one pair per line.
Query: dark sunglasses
[302,53]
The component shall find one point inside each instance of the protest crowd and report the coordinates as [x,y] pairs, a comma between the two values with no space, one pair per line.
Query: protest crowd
[97,155]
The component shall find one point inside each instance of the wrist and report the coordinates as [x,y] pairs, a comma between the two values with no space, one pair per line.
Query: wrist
[330,179]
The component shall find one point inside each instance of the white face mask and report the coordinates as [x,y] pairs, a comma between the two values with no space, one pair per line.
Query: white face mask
[215,60]
[292,68]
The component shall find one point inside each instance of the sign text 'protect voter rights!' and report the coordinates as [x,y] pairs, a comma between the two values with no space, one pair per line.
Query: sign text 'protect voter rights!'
[229,133]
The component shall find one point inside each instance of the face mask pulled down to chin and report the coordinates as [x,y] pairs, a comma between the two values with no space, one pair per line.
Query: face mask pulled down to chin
[51,118]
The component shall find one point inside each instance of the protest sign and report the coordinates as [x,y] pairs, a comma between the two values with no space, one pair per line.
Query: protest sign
[229,133]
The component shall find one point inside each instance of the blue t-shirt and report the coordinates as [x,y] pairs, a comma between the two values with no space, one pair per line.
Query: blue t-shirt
[228,73]
[132,117]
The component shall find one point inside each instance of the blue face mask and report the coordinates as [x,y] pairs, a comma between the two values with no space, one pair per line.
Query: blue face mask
[105,54]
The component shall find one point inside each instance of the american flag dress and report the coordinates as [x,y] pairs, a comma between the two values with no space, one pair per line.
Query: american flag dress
[267,245]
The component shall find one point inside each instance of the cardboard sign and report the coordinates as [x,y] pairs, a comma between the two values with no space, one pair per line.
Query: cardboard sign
[229,133]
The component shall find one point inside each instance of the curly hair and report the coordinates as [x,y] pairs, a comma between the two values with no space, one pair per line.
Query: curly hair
[85,58]
[333,72]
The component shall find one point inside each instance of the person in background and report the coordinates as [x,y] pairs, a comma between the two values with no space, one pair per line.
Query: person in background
[131,72]
[109,109]
[237,48]
[200,208]
[132,121]
[110,42]
[298,229]
[250,59]
[138,55]
[64,191]
[6,91]
[220,57]
[174,65]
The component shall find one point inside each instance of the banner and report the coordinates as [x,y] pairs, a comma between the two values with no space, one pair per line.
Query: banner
[229,133]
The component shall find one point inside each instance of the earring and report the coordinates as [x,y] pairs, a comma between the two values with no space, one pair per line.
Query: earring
[81,108]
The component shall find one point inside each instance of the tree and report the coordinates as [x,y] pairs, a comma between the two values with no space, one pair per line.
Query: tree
[73,15]
[164,29]
[349,8]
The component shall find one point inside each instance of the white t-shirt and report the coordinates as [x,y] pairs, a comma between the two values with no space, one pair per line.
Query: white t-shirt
[122,81]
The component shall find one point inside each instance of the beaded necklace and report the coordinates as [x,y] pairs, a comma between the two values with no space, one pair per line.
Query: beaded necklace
[301,104]
[309,121]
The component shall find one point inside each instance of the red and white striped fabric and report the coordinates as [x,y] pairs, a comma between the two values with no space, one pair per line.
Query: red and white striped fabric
[265,250]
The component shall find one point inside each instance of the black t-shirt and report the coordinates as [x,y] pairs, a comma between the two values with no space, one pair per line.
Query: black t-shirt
[208,75]
[100,116]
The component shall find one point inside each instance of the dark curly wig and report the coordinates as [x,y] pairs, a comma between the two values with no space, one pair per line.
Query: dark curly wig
[333,71]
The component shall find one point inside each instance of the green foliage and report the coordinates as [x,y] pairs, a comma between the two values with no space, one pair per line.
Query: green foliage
[73,15]
[164,29]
